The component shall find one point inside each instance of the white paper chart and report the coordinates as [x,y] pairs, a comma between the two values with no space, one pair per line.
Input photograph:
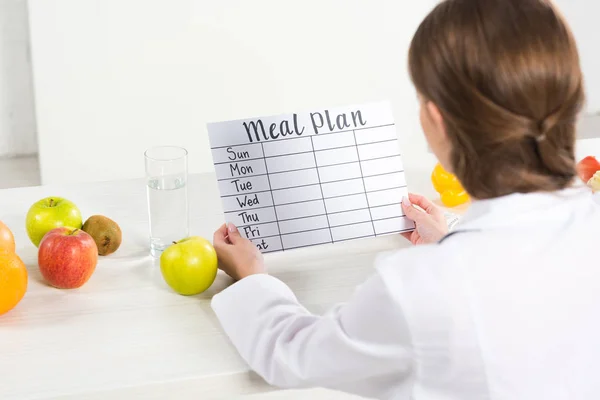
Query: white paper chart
[311,178]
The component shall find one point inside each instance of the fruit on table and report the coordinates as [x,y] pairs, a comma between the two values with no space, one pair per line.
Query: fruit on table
[13,280]
[594,182]
[7,240]
[105,232]
[453,198]
[451,192]
[189,266]
[50,213]
[587,167]
[67,257]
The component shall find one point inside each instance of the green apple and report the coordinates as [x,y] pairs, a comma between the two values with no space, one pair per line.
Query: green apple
[189,266]
[50,213]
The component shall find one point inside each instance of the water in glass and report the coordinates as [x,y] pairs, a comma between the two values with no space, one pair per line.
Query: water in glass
[168,209]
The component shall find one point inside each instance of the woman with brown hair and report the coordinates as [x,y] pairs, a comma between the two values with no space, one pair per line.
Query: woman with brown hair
[504,307]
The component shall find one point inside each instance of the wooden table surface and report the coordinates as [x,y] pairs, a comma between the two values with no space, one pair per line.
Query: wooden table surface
[125,334]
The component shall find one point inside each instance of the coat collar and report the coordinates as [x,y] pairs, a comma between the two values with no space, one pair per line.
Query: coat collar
[518,209]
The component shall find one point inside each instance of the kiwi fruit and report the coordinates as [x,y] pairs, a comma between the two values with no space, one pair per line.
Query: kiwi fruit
[105,232]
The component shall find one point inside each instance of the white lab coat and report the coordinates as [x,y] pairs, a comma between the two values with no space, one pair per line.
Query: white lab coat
[507,308]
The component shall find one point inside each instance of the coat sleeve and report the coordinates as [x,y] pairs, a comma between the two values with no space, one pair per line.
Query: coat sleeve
[361,347]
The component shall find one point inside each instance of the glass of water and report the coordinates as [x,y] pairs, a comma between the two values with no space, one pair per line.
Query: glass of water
[166,185]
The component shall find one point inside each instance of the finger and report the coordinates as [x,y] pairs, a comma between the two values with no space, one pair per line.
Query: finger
[421,201]
[411,212]
[412,237]
[220,235]
[233,233]
[424,203]
[407,235]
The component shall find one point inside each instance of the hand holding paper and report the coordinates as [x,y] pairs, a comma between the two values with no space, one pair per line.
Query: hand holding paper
[238,256]
[431,225]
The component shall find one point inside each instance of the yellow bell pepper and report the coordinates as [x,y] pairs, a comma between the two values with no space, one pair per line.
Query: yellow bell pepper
[451,192]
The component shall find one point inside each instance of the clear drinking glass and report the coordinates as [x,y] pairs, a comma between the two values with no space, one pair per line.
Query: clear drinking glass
[166,185]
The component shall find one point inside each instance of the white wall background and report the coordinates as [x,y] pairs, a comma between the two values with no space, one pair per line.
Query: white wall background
[17,120]
[114,77]
[584,19]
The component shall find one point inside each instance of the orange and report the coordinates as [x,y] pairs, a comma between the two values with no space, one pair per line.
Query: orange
[443,180]
[448,186]
[7,240]
[453,198]
[13,281]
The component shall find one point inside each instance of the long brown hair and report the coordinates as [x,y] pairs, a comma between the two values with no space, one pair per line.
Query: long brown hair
[506,77]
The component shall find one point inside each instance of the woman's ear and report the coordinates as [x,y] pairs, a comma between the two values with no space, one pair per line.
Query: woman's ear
[435,133]
[436,119]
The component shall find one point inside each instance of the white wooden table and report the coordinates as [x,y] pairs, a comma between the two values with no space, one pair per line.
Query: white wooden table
[125,334]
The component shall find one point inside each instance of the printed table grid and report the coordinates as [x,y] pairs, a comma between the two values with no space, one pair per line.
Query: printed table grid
[329,187]
[363,183]
[265,230]
[321,187]
[308,152]
[269,180]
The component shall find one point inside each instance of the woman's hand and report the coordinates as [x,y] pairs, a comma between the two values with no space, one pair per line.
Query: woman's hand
[238,256]
[430,223]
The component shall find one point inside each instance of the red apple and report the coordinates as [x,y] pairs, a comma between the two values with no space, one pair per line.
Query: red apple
[67,257]
[587,167]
